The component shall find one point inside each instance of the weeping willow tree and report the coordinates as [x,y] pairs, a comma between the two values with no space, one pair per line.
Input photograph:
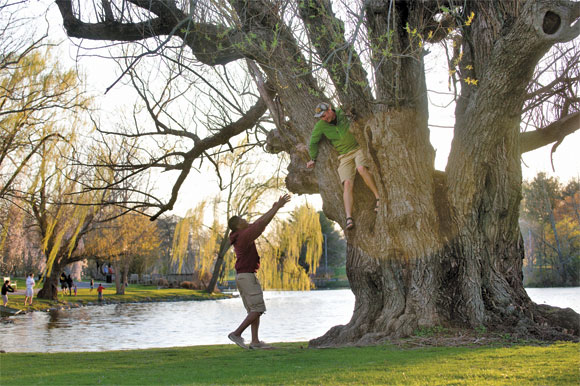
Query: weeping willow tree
[66,214]
[42,106]
[61,217]
[243,190]
[187,231]
[120,241]
[35,93]
[291,251]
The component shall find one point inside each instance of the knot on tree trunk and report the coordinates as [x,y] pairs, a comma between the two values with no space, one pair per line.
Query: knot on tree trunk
[276,142]
[299,179]
[553,20]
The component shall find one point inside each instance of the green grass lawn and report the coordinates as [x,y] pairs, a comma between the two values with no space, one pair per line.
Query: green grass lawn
[133,293]
[293,363]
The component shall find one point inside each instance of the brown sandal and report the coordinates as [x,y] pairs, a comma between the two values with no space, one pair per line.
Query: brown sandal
[349,223]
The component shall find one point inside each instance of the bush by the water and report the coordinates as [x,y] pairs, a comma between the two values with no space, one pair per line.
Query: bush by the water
[186,285]
[162,283]
[198,281]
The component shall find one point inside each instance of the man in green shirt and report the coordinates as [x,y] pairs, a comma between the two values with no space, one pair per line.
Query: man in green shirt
[334,125]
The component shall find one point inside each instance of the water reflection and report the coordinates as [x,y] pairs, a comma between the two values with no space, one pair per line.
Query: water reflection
[291,316]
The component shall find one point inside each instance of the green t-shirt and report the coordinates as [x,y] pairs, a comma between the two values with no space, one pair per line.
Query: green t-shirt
[339,135]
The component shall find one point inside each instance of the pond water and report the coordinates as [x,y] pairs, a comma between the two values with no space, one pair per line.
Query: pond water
[291,317]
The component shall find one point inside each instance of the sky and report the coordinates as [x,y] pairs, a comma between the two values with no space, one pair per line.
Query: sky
[101,74]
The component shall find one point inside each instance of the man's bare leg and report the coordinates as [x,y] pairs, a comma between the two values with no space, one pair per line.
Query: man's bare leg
[348,197]
[250,318]
[255,326]
[369,180]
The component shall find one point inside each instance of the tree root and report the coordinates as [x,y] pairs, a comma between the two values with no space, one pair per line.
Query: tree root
[549,324]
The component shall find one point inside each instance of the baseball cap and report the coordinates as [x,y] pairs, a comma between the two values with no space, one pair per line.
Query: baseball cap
[320,109]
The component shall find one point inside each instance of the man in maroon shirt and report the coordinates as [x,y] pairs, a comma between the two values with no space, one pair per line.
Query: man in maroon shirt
[243,238]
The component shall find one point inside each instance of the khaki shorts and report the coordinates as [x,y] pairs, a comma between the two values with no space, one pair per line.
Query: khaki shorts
[349,162]
[251,292]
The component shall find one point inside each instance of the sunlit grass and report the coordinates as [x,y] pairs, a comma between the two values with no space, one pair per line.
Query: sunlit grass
[133,293]
[293,363]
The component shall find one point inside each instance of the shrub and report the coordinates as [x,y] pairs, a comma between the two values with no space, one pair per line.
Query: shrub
[187,285]
[162,283]
[201,281]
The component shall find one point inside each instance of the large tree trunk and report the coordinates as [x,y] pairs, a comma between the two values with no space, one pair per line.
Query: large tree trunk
[119,283]
[408,272]
[446,249]
[49,290]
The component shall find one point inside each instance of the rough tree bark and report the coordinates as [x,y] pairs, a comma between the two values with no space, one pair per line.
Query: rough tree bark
[219,262]
[445,247]
[50,285]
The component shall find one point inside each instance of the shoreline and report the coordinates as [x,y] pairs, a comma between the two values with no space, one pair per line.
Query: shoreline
[84,298]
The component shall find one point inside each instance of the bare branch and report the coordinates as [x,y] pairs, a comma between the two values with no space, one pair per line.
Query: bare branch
[221,138]
[554,132]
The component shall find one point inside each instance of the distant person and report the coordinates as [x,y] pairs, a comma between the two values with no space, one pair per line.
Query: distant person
[75,288]
[247,263]
[110,274]
[69,283]
[100,289]
[6,287]
[91,285]
[63,282]
[29,289]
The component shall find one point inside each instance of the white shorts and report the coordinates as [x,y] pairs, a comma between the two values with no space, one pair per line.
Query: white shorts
[29,292]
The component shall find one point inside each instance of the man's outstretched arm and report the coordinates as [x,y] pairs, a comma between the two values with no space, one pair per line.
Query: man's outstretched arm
[255,230]
[269,215]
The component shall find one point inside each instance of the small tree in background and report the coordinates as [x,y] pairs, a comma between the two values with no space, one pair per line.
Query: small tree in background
[335,254]
[120,242]
[551,230]
[291,251]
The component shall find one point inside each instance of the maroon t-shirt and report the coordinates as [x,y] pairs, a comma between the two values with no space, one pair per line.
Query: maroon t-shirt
[247,258]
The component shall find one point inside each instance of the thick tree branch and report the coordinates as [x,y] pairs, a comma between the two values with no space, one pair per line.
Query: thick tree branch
[338,56]
[110,30]
[554,132]
[276,110]
[211,44]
